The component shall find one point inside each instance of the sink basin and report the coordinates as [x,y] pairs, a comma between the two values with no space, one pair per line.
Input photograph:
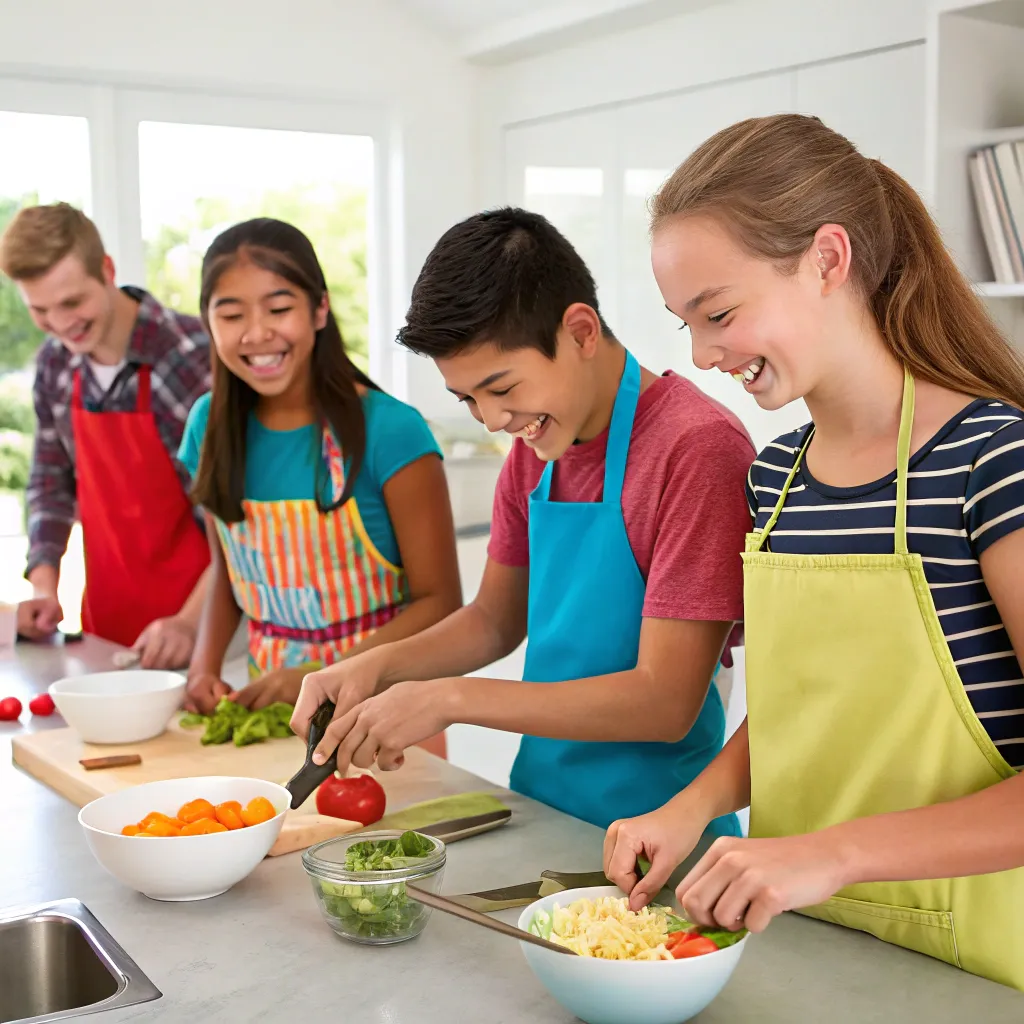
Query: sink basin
[57,961]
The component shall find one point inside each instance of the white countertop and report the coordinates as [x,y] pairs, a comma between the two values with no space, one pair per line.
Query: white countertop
[261,952]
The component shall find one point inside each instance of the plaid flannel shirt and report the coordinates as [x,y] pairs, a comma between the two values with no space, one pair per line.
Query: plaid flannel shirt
[176,349]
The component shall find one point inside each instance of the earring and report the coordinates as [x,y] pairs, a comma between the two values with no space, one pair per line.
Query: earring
[822,263]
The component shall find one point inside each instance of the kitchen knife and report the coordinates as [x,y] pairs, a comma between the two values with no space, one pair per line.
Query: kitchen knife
[310,775]
[491,900]
[462,828]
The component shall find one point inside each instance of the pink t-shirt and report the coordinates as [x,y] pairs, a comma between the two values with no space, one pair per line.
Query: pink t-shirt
[683,500]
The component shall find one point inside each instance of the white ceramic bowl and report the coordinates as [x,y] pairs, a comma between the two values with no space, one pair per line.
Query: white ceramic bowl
[627,991]
[119,707]
[181,867]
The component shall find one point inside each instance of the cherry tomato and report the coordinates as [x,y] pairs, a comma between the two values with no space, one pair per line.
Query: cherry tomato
[696,946]
[10,709]
[42,705]
[359,799]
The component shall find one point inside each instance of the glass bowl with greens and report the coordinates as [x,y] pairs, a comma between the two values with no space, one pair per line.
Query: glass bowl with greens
[359,883]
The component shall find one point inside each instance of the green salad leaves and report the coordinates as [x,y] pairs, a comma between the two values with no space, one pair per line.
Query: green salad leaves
[231,721]
[380,911]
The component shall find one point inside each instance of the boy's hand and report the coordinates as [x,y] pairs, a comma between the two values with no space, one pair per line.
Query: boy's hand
[378,730]
[663,837]
[204,691]
[345,684]
[283,685]
[39,617]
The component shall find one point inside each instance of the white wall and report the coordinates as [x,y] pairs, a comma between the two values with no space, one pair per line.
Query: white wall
[346,51]
[636,104]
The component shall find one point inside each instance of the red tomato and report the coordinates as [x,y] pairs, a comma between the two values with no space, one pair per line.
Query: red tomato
[359,799]
[696,946]
[42,705]
[10,709]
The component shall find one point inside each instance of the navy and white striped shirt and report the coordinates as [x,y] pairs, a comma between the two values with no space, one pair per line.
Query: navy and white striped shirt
[965,492]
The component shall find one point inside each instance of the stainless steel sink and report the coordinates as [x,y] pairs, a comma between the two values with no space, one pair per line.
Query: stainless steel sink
[57,961]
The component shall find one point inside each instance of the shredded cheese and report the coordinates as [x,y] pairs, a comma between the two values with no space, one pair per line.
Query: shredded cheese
[607,929]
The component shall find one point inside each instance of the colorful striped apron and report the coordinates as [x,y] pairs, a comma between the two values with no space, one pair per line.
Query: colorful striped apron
[311,584]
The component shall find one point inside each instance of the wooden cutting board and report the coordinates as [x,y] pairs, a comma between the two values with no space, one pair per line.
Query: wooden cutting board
[52,757]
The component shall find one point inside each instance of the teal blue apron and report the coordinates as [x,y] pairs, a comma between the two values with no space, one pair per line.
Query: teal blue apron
[586,603]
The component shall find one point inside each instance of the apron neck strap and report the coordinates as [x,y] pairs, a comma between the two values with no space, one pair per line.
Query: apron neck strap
[903,461]
[762,537]
[902,471]
[334,458]
[620,431]
[144,397]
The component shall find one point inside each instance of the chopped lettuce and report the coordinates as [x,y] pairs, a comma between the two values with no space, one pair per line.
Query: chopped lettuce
[542,924]
[381,910]
[232,722]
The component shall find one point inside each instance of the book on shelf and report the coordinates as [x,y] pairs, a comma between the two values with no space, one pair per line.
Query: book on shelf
[997,180]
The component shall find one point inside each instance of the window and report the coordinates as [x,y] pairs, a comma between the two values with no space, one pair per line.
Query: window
[572,199]
[46,159]
[196,179]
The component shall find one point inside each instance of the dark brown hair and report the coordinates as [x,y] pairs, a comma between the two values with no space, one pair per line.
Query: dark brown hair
[773,181]
[506,276]
[39,237]
[283,250]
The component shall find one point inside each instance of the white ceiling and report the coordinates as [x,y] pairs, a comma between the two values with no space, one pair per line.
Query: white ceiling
[461,17]
[491,31]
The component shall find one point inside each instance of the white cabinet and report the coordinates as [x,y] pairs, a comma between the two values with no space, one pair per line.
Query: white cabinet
[653,138]
[877,101]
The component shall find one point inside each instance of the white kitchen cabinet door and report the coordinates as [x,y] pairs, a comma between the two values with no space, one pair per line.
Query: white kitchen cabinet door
[877,101]
[565,170]
[655,136]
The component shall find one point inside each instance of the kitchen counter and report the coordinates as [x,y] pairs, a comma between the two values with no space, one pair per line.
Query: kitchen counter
[261,952]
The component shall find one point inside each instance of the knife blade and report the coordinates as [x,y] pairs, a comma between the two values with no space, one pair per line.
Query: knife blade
[492,900]
[506,897]
[461,828]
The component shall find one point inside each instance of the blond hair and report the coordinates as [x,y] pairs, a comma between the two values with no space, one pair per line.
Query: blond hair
[774,181]
[39,237]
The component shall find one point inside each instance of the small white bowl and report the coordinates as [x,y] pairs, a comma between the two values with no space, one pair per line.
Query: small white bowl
[626,991]
[119,707]
[181,868]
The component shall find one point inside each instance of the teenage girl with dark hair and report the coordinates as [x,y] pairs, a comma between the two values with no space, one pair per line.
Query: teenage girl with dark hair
[326,501]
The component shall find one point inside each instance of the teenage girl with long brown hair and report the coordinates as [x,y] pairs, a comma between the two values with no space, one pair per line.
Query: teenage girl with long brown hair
[326,500]
[884,613]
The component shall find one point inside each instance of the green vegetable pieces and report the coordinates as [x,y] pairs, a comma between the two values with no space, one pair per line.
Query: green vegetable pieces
[381,911]
[387,854]
[719,936]
[231,721]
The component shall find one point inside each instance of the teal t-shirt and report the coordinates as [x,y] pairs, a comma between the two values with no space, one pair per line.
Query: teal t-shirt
[281,465]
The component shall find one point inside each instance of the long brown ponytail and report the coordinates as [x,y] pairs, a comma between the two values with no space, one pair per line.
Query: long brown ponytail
[775,180]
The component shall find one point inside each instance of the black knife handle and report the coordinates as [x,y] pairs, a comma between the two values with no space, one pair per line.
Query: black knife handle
[310,775]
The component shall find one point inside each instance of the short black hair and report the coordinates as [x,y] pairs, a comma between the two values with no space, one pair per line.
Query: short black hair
[505,276]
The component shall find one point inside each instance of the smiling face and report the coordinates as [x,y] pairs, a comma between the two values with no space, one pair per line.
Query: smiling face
[746,317]
[264,328]
[546,402]
[72,305]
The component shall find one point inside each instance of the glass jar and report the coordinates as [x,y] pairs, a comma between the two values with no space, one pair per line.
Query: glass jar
[372,906]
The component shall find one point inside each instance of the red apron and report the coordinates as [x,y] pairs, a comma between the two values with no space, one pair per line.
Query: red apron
[144,550]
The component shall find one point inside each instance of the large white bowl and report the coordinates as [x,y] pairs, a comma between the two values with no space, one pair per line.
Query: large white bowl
[181,867]
[119,707]
[626,991]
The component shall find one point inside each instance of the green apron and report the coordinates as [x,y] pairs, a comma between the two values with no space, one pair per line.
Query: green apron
[855,708]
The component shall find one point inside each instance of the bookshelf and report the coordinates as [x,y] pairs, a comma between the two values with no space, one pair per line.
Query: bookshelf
[974,98]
